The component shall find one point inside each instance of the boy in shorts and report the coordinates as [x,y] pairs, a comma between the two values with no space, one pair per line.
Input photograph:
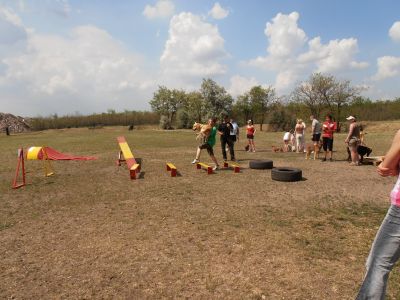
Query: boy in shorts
[208,144]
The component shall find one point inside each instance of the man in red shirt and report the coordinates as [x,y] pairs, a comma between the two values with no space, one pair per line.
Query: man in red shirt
[328,128]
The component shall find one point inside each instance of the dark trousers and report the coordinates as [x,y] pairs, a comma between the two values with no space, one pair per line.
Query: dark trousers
[230,144]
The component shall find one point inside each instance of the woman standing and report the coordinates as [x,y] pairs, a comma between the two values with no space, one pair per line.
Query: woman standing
[299,129]
[250,131]
[385,249]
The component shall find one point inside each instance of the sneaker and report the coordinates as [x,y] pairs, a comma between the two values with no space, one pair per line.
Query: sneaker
[216,167]
[254,150]
[195,161]
[233,159]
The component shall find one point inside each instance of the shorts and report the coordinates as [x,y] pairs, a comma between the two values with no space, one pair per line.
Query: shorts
[316,137]
[354,143]
[250,137]
[208,147]
[327,144]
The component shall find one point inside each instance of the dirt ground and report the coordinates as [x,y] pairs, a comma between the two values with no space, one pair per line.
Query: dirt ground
[91,232]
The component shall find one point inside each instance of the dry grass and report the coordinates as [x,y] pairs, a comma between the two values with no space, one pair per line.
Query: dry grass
[90,232]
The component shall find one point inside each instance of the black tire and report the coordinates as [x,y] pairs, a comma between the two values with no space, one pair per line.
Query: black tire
[286,174]
[261,164]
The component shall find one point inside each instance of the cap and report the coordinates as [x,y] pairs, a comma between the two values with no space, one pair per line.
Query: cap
[350,118]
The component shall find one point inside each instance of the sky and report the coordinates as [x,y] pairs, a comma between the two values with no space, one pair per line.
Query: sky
[69,56]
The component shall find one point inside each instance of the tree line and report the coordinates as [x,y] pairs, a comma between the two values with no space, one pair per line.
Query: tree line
[109,118]
[319,95]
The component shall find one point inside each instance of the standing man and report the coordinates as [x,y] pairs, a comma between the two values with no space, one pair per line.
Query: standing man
[328,128]
[224,130]
[234,134]
[315,131]
[353,140]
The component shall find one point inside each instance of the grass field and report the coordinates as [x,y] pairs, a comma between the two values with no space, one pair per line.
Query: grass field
[91,232]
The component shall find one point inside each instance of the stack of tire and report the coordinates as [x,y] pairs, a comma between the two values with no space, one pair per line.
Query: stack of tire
[279,174]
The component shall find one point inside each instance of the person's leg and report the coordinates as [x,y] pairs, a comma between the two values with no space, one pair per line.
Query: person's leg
[298,143]
[385,251]
[231,144]
[330,149]
[253,145]
[223,148]
[213,158]
[325,147]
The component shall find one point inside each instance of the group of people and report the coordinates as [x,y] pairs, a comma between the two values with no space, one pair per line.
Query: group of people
[228,130]
[294,140]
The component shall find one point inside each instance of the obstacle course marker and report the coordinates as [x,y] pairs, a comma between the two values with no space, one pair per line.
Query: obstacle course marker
[234,166]
[126,153]
[206,167]
[21,164]
[171,167]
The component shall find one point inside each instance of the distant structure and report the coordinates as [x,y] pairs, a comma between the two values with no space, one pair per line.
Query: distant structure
[13,124]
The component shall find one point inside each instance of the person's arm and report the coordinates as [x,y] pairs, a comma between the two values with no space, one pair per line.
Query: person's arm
[237,133]
[351,129]
[390,165]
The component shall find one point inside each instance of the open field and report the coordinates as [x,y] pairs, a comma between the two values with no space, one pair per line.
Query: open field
[90,232]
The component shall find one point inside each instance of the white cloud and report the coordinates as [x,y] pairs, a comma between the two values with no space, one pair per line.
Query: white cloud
[288,56]
[162,9]
[388,66]
[240,85]
[86,71]
[218,12]
[194,48]
[394,31]
[60,7]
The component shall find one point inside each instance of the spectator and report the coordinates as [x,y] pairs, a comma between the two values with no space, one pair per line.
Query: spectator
[385,249]
[299,129]
[250,132]
[315,130]
[328,128]
[353,140]
[287,141]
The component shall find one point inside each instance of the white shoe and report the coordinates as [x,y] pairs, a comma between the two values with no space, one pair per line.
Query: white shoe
[195,161]
[215,168]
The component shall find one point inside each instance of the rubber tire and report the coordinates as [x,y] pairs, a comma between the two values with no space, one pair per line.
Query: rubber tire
[261,164]
[286,174]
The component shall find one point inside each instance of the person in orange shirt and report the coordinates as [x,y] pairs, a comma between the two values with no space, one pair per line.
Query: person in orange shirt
[328,128]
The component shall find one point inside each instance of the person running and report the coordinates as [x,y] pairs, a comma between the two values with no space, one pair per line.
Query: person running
[353,140]
[299,129]
[315,130]
[208,144]
[385,250]
[224,130]
[328,128]
[250,132]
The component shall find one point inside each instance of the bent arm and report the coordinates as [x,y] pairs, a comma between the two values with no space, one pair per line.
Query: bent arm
[390,165]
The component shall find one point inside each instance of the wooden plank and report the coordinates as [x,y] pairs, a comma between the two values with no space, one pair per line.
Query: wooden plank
[205,167]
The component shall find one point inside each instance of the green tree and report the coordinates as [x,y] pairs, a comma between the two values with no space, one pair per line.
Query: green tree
[261,99]
[166,103]
[242,108]
[217,100]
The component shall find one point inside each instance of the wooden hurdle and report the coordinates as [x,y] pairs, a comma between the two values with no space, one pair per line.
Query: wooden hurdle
[126,155]
[204,166]
[234,166]
[171,168]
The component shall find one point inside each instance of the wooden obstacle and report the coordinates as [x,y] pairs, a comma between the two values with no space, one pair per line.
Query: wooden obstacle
[204,166]
[126,155]
[234,166]
[375,160]
[171,168]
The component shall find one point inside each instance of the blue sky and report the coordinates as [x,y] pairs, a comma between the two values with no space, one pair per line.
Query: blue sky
[68,56]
